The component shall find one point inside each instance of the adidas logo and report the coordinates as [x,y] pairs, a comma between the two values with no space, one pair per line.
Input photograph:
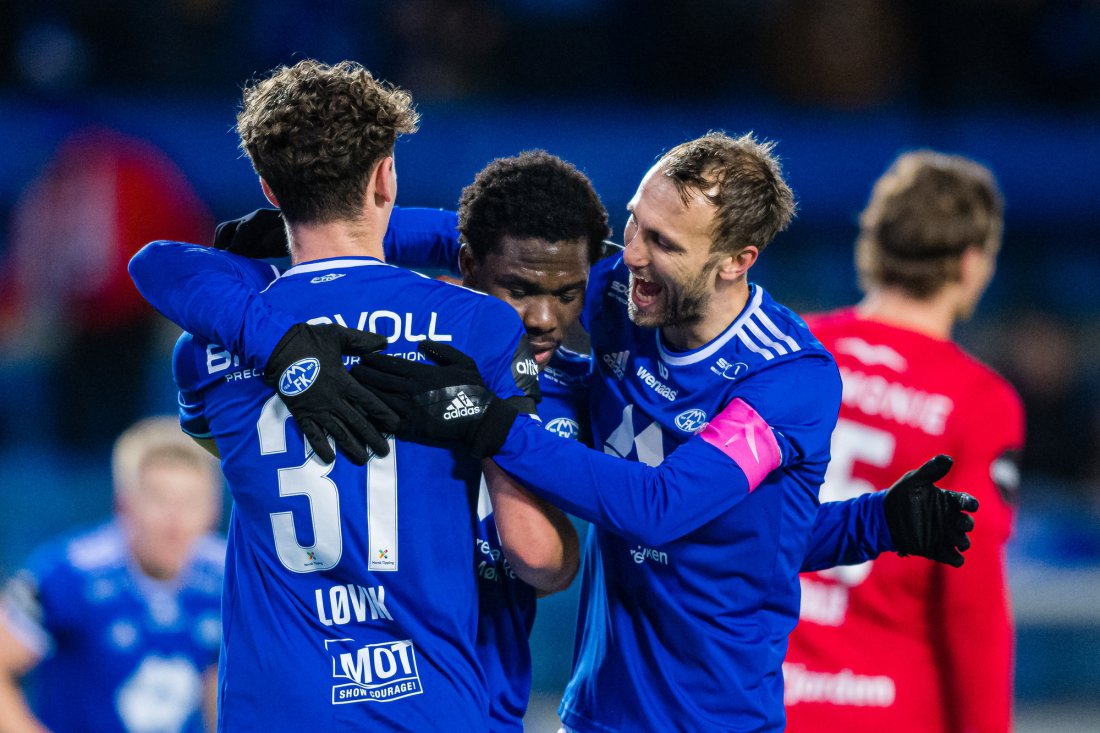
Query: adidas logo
[461,406]
[616,362]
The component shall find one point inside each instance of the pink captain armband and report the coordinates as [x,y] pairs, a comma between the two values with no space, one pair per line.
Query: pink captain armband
[740,433]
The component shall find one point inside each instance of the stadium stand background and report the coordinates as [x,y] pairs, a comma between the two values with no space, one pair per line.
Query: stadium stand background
[842,85]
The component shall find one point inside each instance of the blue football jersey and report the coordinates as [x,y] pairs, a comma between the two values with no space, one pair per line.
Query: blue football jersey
[709,613]
[506,603]
[121,651]
[689,585]
[349,600]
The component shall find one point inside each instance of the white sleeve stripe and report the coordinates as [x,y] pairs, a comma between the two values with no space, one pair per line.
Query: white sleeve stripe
[768,356]
[768,324]
[763,337]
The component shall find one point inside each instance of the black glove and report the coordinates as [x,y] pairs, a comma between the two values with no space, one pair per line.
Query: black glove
[926,520]
[447,401]
[307,369]
[259,235]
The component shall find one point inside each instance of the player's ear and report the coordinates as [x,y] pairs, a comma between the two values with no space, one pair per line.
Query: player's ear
[976,268]
[269,194]
[384,180]
[734,266]
[467,264]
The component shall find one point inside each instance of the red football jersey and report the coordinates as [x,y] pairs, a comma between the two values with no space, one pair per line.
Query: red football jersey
[905,644]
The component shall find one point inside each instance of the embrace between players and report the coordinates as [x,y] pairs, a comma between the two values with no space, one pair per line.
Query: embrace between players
[697,434]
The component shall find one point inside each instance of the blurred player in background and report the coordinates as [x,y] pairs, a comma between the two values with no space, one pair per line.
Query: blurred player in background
[69,314]
[895,644]
[122,622]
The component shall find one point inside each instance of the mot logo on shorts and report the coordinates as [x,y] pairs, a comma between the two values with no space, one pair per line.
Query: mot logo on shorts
[373,672]
[299,377]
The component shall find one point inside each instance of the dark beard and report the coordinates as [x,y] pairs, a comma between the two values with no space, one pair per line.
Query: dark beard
[686,306]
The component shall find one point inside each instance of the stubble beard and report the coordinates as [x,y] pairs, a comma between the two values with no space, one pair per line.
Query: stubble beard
[678,304]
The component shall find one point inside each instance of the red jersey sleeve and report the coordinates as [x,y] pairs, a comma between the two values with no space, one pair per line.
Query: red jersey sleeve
[976,647]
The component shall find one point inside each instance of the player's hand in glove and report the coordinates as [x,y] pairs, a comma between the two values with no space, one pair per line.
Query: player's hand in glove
[447,401]
[307,369]
[926,520]
[259,235]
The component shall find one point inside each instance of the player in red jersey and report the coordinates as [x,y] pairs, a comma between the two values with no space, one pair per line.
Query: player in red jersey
[903,644]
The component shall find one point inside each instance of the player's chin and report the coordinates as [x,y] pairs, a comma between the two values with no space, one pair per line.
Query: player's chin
[647,317]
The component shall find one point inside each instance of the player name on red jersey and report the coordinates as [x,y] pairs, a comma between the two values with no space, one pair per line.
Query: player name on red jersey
[874,395]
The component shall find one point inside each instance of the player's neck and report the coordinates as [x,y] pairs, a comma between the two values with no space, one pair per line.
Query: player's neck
[933,317]
[725,305]
[345,238]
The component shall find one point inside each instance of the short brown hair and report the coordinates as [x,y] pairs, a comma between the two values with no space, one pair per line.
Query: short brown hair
[924,212]
[742,179]
[314,132]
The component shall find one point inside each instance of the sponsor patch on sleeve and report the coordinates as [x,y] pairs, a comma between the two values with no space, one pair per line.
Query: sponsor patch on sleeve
[525,370]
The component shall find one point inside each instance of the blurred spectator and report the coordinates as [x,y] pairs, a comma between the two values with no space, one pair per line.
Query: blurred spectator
[445,49]
[122,622]
[838,53]
[1044,364]
[73,329]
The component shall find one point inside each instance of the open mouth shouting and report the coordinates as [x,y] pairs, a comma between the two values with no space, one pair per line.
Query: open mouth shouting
[644,292]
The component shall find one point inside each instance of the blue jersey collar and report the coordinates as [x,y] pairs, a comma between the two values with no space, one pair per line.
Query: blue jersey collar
[680,358]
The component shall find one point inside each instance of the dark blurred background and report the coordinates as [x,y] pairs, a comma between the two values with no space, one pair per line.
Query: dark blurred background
[116,127]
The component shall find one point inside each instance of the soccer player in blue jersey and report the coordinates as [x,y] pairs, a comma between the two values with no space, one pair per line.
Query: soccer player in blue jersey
[723,403]
[521,248]
[531,226]
[121,622]
[349,600]
[640,555]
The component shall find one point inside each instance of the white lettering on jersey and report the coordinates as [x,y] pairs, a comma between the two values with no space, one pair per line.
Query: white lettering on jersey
[394,326]
[655,384]
[825,604]
[729,370]
[876,396]
[839,688]
[641,554]
[347,601]
[374,672]
[218,359]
